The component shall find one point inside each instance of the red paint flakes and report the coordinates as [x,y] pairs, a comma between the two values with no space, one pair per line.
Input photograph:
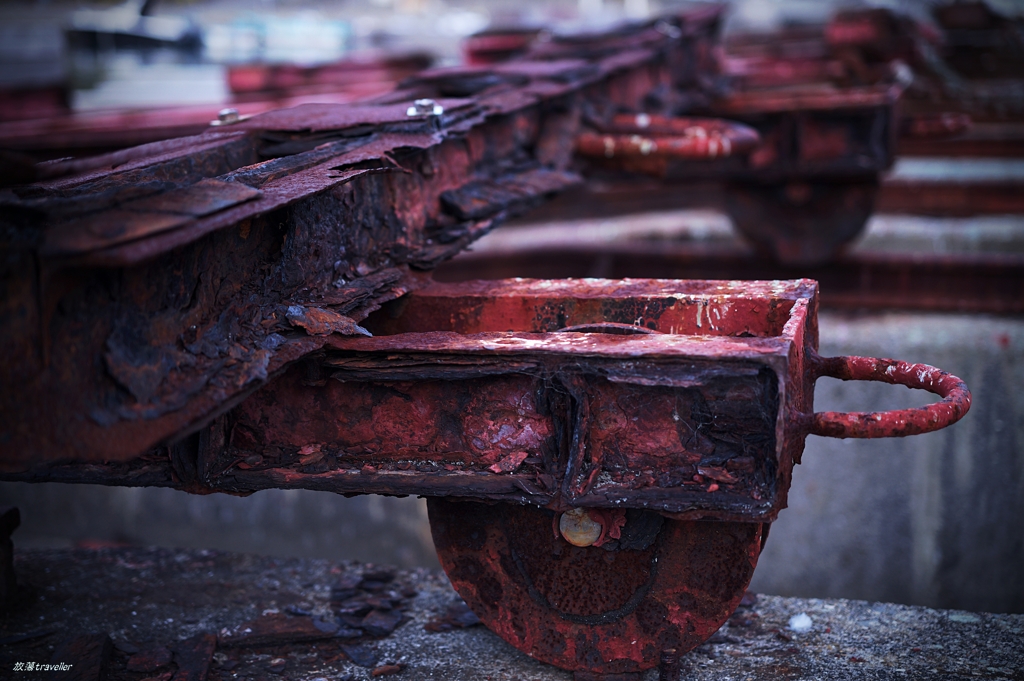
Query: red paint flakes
[509,463]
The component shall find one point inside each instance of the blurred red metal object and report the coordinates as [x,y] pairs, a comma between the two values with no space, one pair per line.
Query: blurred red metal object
[33,103]
[361,75]
[649,144]
[990,283]
[935,126]
[497,45]
[55,132]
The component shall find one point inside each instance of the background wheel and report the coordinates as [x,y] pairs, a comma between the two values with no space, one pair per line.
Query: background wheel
[801,223]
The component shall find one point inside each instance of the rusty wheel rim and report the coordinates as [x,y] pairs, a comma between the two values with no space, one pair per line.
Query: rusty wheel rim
[591,609]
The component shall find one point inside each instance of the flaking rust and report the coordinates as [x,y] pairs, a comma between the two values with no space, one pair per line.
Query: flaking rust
[148,290]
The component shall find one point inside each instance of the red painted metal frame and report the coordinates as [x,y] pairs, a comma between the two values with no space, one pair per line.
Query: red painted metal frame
[478,390]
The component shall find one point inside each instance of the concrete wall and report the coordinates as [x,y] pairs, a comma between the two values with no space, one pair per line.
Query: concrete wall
[934,520]
[273,522]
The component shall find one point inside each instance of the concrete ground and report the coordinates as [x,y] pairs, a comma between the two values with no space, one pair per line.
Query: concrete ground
[273,522]
[150,601]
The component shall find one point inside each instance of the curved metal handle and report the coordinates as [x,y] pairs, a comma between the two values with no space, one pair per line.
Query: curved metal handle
[643,136]
[935,126]
[899,423]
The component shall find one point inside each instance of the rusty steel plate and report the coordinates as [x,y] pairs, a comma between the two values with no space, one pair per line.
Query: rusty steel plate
[667,585]
[149,290]
[692,398]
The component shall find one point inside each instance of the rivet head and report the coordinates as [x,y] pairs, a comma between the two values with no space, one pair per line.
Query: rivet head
[424,107]
[578,528]
[669,30]
[227,115]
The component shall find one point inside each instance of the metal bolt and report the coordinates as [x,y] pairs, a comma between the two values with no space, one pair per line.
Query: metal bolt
[225,116]
[424,107]
[645,144]
[669,668]
[669,30]
[609,146]
[578,528]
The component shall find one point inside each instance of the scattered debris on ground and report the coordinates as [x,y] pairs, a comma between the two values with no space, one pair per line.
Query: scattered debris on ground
[157,615]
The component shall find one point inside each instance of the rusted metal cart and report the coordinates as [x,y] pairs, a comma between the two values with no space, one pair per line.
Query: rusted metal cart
[808,188]
[955,91]
[249,308]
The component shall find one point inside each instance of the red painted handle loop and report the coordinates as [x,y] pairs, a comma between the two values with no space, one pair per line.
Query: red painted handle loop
[646,137]
[955,403]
